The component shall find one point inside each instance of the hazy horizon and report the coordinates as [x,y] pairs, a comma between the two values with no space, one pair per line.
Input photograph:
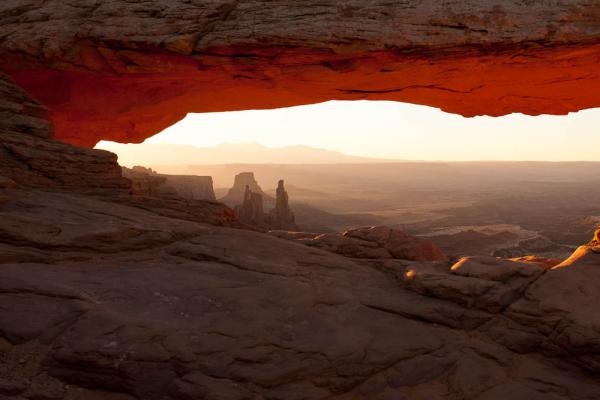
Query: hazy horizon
[383,130]
[139,154]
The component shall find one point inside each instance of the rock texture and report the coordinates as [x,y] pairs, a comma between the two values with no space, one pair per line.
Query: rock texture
[31,158]
[109,301]
[144,181]
[237,193]
[251,210]
[376,242]
[282,217]
[126,70]
[192,187]
[148,182]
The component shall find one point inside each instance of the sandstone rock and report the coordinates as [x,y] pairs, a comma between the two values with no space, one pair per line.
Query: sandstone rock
[536,245]
[237,193]
[378,242]
[37,162]
[30,158]
[293,235]
[399,244]
[191,187]
[141,69]
[144,181]
[560,306]
[198,386]
[6,183]
[11,388]
[281,217]
[147,182]
[21,113]
[481,282]
[251,210]
[349,247]
[494,269]
[543,262]
[155,307]
[110,296]
[588,254]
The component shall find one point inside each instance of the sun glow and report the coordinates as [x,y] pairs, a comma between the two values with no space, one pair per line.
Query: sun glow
[393,130]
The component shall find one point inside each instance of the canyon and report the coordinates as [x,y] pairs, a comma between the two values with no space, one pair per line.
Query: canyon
[107,294]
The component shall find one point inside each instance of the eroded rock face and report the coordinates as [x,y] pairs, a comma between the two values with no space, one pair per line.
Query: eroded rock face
[375,242]
[31,158]
[251,210]
[399,244]
[282,217]
[124,71]
[148,306]
[20,113]
[237,193]
[144,181]
[148,182]
[191,186]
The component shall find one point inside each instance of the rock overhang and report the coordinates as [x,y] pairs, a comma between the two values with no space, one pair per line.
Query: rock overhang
[124,71]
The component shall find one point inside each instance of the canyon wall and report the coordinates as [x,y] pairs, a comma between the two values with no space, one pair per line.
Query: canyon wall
[235,196]
[31,158]
[124,71]
[192,187]
[148,182]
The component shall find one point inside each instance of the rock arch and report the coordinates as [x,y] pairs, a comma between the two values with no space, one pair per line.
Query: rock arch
[124,71]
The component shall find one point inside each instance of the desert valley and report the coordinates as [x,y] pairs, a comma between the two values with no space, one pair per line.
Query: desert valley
[504,209]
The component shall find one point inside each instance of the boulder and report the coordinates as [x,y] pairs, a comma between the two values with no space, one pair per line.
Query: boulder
[543,262]
[494,269]
[399,244]
[484,283]
[377,242]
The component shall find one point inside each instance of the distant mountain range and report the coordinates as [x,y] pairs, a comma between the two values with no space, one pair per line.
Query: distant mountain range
[228,153]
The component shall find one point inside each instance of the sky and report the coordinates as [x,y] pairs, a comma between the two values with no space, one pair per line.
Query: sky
[394,130]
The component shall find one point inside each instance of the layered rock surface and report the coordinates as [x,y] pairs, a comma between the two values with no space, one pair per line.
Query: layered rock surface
[149,182]
[281,216]
[126,70]
[31,158]
[375,242]
[251,211]
[106,301]
[235,196]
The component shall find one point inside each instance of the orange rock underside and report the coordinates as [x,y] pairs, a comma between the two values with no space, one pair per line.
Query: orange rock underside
[129,96]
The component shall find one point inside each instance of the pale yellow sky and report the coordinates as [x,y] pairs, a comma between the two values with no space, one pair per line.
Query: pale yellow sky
[398,131]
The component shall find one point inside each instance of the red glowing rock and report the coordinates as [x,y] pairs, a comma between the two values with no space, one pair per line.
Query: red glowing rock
[123,72]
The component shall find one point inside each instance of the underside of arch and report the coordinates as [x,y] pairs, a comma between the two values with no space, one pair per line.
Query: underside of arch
[129,79]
